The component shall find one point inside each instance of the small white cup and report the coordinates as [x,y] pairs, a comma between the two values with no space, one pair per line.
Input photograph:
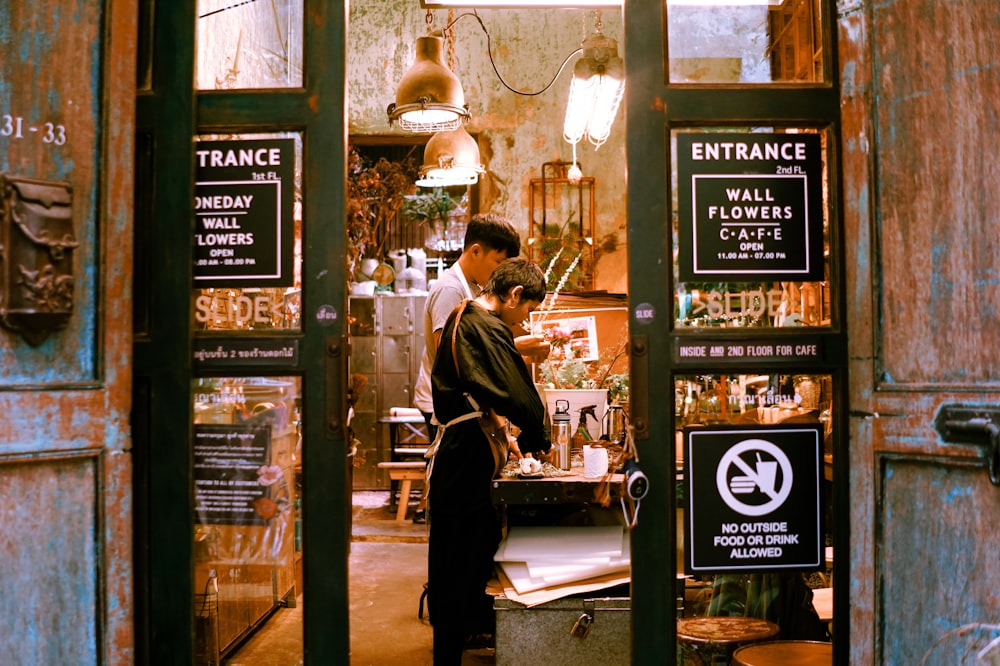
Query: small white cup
[595,461]
[530,466]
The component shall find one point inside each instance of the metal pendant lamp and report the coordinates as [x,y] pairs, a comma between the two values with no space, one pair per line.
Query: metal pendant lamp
[429,97]
[450,158]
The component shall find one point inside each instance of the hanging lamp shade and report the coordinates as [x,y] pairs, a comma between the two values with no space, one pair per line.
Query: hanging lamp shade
[429,97]
[595,92]
[450,158]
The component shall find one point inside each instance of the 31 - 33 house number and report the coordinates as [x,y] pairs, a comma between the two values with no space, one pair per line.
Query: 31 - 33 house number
[14,126]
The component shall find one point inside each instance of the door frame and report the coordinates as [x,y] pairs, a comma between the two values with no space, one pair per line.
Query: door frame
[653,108]
[169,112]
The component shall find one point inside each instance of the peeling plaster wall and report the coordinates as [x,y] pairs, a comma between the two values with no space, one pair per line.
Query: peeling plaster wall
[517,133]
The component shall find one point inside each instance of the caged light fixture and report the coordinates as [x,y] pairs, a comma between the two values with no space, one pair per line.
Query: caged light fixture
[429,97]
[450,158]
[596,90]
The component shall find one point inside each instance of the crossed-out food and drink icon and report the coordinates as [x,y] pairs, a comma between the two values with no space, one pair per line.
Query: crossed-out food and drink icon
[759,479]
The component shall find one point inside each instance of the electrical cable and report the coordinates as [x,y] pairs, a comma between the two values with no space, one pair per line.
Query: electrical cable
[489,52]
[226,9]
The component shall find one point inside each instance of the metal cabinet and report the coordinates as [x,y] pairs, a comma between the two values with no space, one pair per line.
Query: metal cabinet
[387,341]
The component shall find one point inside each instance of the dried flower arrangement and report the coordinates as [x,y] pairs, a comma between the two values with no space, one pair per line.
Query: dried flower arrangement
[375,194]
[562,371]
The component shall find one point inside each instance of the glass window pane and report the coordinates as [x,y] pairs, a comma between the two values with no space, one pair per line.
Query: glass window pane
[250,44]
[752,567]
[248,232]
[247,472]
[745,41]
[751,228]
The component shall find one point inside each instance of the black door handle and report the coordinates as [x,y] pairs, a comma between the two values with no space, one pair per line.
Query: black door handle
[976,426]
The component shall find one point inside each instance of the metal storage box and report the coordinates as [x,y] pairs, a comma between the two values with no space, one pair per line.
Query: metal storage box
[542,635]
[387,343]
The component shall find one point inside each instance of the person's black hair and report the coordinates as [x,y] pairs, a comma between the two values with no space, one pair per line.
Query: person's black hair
[494,232]
[517,272]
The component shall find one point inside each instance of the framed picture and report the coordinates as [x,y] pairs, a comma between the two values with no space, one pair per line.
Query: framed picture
[571,338]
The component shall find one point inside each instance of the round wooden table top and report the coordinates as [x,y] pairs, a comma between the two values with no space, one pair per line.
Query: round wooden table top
[722,630]
[785,653]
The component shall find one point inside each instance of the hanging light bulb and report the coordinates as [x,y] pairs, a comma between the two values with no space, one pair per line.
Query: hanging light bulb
[595,92]
[575,174]
[429,97]
[450,158]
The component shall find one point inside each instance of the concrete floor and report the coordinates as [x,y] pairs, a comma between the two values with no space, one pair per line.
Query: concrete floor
[388,568]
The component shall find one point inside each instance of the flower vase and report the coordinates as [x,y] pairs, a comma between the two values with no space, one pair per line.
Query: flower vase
[447,236]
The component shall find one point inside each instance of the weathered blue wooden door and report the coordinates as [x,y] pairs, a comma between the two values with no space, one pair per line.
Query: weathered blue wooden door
[920,91]
[66,91]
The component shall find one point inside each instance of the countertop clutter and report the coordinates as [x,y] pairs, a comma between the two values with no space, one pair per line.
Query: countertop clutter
[538,564]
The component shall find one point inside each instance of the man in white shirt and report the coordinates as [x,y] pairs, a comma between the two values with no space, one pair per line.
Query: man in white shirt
[489,239]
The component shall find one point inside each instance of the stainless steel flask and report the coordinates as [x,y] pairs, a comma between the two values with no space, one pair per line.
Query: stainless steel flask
[561,434]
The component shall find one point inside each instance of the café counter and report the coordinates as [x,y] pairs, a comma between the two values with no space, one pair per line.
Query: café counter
[572,488]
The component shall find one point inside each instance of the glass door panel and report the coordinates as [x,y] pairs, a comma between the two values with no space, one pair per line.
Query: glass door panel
[247,462]
[247,475]
[751,228]
[754,439]
[765,551]
[243,45]
[745,41]
[248,232]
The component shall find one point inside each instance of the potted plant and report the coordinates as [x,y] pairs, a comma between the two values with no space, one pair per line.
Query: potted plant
[441,214]
[583,383]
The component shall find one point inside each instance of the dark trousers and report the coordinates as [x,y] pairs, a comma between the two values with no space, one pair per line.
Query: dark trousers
[431,428]
[460,564]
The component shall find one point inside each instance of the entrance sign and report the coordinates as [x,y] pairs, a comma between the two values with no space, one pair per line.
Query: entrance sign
[750,207]
[753,498]
[244,227]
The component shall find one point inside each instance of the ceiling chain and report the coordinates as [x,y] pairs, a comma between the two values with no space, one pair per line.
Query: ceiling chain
[449,34]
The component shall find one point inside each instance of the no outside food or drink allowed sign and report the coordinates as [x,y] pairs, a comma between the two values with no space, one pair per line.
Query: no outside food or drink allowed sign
[752,498]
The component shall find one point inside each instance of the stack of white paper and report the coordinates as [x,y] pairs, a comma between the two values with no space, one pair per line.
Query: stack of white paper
[541,563]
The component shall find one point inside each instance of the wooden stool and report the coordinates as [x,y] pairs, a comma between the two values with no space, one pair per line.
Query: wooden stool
[785,653]
[406,473]
[718,636]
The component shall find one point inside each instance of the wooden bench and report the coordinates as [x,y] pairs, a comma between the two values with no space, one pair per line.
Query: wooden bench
[407,440]
[406,473]
[401,453]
